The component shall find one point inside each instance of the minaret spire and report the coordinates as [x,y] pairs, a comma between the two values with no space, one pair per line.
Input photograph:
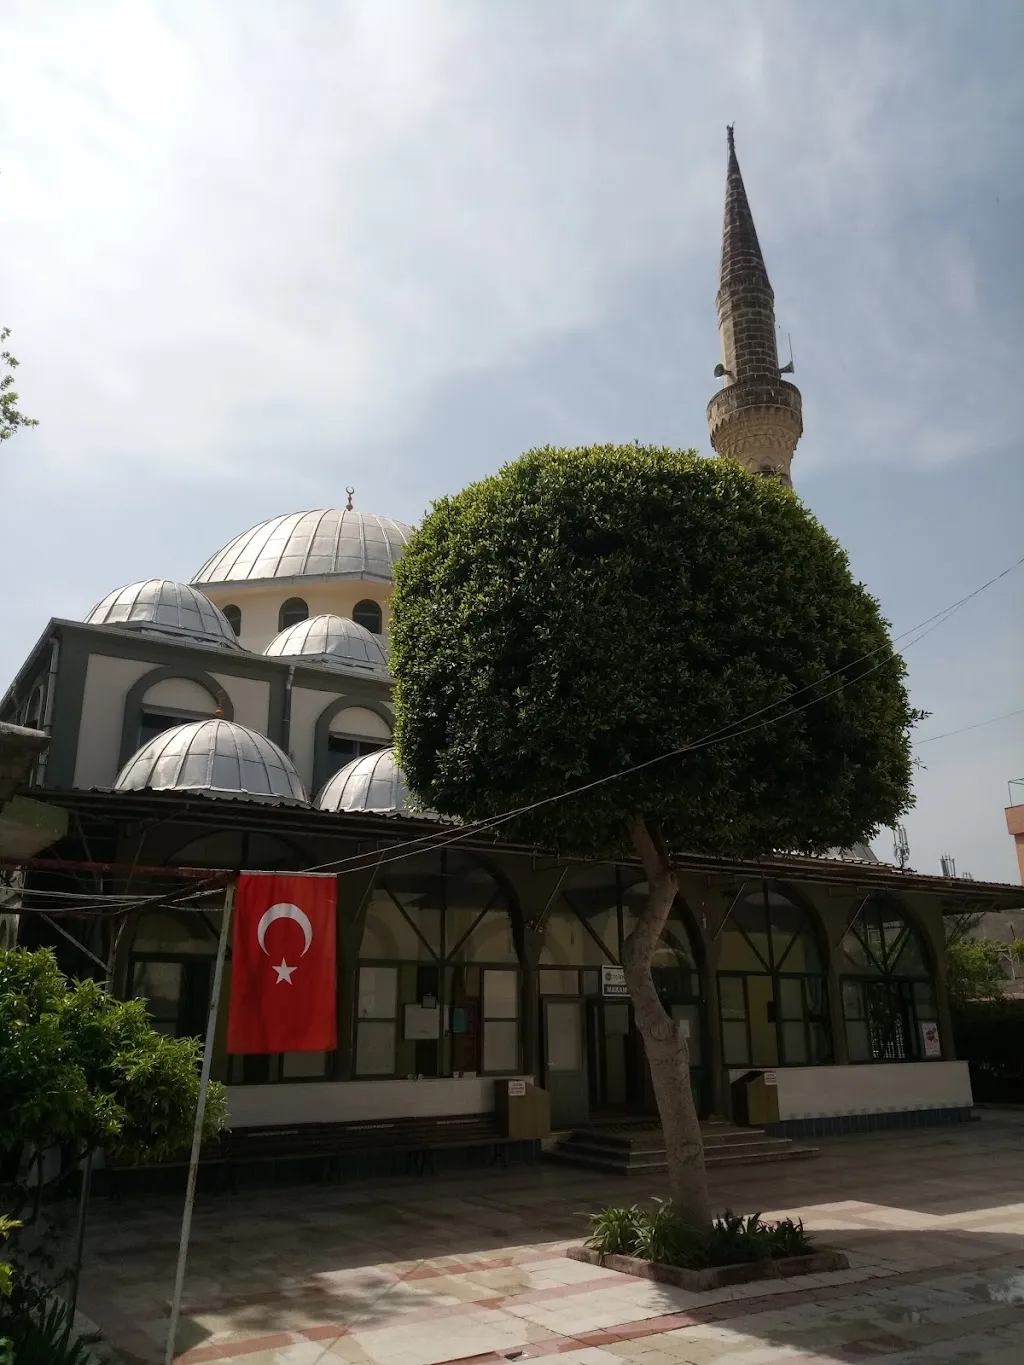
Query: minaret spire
[756,419]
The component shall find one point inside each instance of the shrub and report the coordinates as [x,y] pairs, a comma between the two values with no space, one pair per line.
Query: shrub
[662,1236]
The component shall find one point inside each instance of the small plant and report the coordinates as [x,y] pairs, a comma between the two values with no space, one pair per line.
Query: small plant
[617,1232]
[662,1236]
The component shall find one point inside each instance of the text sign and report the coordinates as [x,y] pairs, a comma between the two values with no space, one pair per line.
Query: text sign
[930,1040]
[517,1087]
[613,981]
[770,1077]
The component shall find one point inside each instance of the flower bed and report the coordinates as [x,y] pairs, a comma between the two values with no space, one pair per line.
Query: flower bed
[656,1244]
[715,1277]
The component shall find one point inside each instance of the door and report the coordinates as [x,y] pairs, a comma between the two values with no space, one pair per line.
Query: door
[565,1070]
[608,1032]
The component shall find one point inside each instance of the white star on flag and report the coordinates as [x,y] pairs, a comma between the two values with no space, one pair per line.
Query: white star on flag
[284,972]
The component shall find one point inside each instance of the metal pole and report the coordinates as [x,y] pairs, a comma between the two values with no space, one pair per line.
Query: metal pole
[197,1132]
[83,1208]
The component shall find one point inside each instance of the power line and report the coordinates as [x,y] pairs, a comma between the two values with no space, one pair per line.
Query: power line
[976,726]
[722,735]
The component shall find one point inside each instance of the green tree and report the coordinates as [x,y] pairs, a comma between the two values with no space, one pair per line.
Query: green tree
[10,418]
[976,969]
[81,1070]
[584,613]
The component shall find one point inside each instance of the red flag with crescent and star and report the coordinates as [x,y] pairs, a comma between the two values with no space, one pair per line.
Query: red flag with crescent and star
[283,977]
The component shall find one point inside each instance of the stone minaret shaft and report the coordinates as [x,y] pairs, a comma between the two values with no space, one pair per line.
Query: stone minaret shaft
[756,419]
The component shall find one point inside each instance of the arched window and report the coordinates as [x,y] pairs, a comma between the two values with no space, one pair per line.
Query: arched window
[234,617]
[437,943]
[171,702]
[367,614]
[353,732]
[888,989]
[772,987]
[292,612]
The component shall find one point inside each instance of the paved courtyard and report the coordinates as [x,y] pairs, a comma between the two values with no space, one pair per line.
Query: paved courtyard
[471,1267]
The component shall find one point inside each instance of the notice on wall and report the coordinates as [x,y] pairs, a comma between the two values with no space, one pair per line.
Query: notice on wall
[613,981]
[517,1087]
[422,1024]
[770,1077]
[931,1043]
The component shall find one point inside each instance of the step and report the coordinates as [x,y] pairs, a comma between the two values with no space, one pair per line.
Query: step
[657,1166]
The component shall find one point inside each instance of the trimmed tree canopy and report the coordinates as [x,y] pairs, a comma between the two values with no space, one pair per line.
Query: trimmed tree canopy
[584,611]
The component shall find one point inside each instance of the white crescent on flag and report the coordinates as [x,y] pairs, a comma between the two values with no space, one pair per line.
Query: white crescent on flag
[285,911]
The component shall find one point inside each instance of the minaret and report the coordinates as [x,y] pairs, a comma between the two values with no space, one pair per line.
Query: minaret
[756,419]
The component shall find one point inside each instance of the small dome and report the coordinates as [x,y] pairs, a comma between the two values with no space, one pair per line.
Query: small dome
[331,640]
[374,784]
[163,606]
[330,543]
[217,757]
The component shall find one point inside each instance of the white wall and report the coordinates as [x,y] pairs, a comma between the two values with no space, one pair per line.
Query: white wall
[250,698]
[181,694]
[341,1101]
[882,1088]
[359,723]
[107,681]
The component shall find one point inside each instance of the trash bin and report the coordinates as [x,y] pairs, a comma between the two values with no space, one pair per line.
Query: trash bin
[523,1110]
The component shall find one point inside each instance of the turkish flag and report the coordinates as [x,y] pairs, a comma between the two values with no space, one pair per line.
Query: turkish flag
[283,976]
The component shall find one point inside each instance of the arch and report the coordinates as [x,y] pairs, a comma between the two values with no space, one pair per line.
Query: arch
[322,758]
[135,700]
[887,981]
[170,965]
[437,935]
[369,615]
[238,848]
[773,980]
[233,615]
[292,611]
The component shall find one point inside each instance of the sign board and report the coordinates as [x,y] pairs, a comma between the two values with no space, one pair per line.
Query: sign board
[930,1040]
[770,1078]
[613,981]
[422,1024]
[517,1087]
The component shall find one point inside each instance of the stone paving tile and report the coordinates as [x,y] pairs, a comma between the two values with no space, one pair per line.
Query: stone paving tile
[425,1272]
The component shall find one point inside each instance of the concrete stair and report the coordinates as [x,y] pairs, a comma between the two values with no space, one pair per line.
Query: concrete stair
[637,1147]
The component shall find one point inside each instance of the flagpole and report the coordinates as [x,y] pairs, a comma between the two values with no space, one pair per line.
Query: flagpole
[197,1132]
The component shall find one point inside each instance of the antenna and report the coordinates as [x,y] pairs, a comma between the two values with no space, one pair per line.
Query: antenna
[901,847]
[948,863]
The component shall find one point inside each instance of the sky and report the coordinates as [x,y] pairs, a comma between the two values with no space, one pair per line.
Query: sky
[256,252]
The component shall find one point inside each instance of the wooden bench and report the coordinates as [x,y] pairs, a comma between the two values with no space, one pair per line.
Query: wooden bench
[418,1139]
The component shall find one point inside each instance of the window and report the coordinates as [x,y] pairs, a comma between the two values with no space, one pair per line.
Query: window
[234,618]
[439,978]
[888,990]
[171,969]
[342,749]
[154,723]
[367,614]
[772,988]
[292,612]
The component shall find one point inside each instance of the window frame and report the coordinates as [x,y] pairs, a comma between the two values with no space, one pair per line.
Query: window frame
[774,970]
[378,614]
[901,988]
[294,603]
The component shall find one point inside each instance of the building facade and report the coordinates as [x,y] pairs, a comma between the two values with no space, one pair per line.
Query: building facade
[244,720]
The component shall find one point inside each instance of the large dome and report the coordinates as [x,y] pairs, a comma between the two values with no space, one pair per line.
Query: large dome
[329,544]
[217,758]
[374,784]
[161,605]
[331,640]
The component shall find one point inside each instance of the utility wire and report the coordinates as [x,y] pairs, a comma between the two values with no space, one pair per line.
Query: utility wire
[976,726]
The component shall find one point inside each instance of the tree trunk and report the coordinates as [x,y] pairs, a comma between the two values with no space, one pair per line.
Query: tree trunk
[668,1051]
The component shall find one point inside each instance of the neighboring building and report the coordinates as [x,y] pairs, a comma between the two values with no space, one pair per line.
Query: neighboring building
[244,721]
[1015,826]
[26,826]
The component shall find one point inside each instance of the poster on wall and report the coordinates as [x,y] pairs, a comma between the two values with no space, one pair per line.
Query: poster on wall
[422,1023]
[930,1040]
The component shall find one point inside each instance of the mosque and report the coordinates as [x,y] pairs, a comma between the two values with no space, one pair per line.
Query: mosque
[244,719]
